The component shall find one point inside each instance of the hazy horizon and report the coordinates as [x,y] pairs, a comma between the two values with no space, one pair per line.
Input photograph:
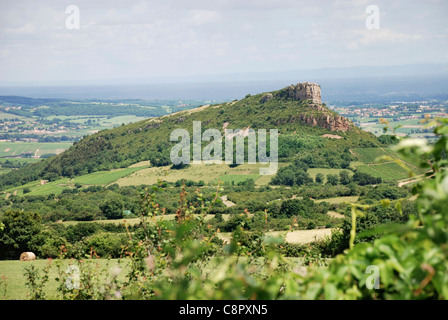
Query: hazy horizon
[373,89]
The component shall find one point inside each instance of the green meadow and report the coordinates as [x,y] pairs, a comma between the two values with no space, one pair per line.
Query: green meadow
[37,148]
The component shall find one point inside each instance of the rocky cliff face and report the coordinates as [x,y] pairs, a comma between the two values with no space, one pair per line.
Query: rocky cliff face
[304,91]
[312,92]
[333,123]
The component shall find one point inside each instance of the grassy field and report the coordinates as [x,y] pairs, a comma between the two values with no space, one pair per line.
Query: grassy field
[296,236]
[15,281]
[236,178]
[9,116]
[368,155]
[195,172]
[339,199]
[387,171]
[142,174]
[104,177]
[407,126]
[56,187]
[37,148]
[134,221]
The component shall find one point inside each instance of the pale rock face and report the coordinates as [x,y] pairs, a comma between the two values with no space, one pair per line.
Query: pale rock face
[305,91]
[318,115]
[334,123]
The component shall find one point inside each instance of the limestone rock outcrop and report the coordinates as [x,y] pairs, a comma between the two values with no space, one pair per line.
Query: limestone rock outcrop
[333,123]
[304,91]
[316,113]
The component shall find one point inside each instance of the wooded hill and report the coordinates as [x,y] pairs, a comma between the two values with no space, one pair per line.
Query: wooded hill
[307,128]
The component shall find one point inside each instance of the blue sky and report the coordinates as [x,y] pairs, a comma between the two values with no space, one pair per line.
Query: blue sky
[150,39]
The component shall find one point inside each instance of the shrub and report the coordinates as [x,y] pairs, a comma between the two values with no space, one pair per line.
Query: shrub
[112,208]
[21,232]
[107,244]
[297,207]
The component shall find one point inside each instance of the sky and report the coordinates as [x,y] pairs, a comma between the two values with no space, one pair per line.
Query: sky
[137,40]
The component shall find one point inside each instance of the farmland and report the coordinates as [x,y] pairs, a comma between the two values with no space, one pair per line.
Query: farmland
[56,187]
[207,173]
[34,148]
[14,286]
[116,190]
[369,155]
[387,171]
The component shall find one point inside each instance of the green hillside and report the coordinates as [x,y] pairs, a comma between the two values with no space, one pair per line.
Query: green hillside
[149,139]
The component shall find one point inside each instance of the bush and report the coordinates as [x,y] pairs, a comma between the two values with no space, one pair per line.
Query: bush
[311,225]
[80,231]
[297,207]
[107,244]
[385,192]
[112,208]
[21,232]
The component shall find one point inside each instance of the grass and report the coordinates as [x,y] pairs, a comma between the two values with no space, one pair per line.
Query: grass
[9,116]
[134,221]
[296,236]
[4,170]
[339,199]
[14,270]
[19,190]
[236,178]
[387,171]
[56,187]
[117,121]
[37,148]
[104,177]
[368,155]
[16,288]
[196,172]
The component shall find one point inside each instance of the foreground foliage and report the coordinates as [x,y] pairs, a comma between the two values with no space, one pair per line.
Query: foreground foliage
[184,259]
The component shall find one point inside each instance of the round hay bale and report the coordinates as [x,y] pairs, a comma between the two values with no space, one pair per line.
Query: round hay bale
[27,256]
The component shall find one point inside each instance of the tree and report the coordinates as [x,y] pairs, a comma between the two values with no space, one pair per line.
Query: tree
[112,208]
[332,179]
[344,178]
[297,207]
[363,178]
[21,233]
[319,178]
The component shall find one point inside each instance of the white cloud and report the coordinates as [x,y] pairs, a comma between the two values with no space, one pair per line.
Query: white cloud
[27,28]
[381,37]
[201,17]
